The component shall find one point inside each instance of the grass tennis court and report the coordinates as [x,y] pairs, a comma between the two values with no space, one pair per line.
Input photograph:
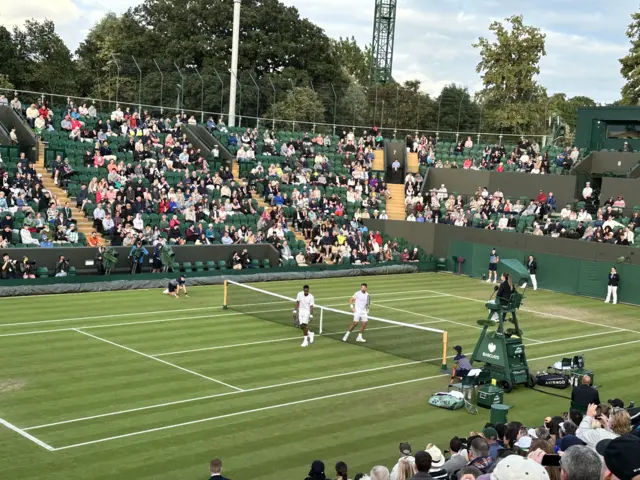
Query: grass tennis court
[137,385]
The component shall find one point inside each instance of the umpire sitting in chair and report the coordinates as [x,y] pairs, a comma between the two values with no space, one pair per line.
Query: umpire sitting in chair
[461,365]
[503,293]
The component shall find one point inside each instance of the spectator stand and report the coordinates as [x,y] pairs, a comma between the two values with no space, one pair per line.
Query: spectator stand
[524,157]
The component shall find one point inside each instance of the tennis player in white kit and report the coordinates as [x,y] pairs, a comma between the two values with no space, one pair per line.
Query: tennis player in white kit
[304,306]
[360,308]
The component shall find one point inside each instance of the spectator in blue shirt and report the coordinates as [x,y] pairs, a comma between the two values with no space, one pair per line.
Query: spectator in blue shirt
[551,202]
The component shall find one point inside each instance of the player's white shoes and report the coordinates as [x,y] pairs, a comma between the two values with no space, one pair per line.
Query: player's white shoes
[489,280]
[166,291]
[346,337]
[360,339]
[305,343]
[311,335]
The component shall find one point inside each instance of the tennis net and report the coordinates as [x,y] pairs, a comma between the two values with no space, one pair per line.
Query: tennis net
[406,340]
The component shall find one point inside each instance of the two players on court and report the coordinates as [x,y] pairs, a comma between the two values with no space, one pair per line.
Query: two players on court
[359,304]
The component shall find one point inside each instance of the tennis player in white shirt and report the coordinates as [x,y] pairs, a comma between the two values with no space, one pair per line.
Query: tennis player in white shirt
[360,307]
[304,307]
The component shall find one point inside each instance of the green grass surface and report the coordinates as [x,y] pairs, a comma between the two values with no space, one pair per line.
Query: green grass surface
[147,392]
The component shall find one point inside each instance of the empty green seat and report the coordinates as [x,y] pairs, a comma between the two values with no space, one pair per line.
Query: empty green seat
[266,263]
[186,267]
[199,266]
[222,265]
[42,272]
[211,265]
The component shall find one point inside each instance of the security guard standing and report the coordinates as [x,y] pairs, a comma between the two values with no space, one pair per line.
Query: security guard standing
[612,286]
[532,266]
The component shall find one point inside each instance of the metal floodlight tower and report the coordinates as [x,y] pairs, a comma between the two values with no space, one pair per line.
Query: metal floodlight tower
[384,28]
[235,45]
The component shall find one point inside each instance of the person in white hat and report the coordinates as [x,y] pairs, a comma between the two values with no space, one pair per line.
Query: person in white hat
[515,467]
[437,461]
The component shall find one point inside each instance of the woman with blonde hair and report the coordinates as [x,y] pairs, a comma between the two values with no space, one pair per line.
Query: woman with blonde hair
[379,473]
[406,469]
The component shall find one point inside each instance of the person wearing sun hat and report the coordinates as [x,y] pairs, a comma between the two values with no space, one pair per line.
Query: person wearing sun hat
[437,462]
[515,467]
[405,452]
[621,457]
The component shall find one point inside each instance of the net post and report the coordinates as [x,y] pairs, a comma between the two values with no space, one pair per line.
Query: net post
[224,296]
[445,341]
[321,319]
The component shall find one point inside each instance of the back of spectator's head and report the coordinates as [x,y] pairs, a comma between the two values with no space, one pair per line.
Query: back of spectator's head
[620,421]
[490,433]
[469,473]
[341,471]
[581,463]
[380,472]
[405,449]
[423,461]
[215,466]
[317,470]
[575,416]
[554,425]
[569,441]
[456,444]
[568,428]
[479,447]
[515,467]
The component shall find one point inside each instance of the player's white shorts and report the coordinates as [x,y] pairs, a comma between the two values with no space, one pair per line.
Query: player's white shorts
[360,316]
[303,317]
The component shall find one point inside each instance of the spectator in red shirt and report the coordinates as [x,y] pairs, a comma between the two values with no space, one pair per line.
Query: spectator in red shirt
[541,198]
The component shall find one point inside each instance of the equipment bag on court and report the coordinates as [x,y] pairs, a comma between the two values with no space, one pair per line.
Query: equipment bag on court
[447,400]
[553,380]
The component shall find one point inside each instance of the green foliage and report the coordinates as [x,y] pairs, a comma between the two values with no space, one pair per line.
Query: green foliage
[630,64]
[301,105]
[355,62]
[460,112]
[45,59]
[508,66]
[5,82]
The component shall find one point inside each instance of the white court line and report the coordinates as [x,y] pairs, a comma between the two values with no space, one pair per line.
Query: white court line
[272,407]
[179,310]
[276,340]
[26,435]
[248,390]
[254,410]
[586,350]
[158,360]
[574,338]
[441,319]
[552,315]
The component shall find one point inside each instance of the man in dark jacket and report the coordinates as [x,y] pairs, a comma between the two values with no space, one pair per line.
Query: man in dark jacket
[215,467]
[423,465]
[585,394]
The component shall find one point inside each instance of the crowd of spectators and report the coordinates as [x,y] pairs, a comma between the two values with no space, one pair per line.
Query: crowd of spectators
[602,444]
[526,156]
[540,216]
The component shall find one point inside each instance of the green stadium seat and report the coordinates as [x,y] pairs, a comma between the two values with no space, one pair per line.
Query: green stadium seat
[186,267]
[222,265]
[72,271]
[199,266]
[266,263]
[42,272]
[211,265]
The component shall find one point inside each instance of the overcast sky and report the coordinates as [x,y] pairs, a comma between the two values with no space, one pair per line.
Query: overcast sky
[585,38]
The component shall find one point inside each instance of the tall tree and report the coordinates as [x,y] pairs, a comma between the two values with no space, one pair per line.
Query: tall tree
[47,62]
[511,97]
[458,112]
[630,64]
[301,107]
[355,61]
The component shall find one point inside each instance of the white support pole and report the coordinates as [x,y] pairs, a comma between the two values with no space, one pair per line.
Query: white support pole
[234,63]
